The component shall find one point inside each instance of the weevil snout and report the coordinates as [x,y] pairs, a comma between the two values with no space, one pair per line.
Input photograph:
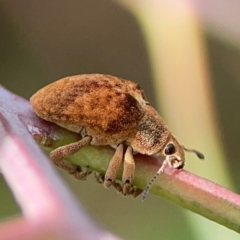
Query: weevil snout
[175,162]
[174,153]
[180,166]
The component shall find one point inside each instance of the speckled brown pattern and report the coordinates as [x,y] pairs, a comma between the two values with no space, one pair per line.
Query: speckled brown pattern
[103,103]
[111,110]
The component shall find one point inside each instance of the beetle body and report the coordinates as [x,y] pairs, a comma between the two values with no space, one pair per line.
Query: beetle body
[107,110]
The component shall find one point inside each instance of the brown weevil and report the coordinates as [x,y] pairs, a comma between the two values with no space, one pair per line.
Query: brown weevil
[107,110]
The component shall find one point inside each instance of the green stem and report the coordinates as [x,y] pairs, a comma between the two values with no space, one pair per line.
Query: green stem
[180,187]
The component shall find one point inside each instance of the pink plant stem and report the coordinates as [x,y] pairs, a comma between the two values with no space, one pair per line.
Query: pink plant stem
[47,205]
[192,192]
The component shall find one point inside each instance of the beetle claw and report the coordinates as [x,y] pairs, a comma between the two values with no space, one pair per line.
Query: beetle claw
[107,182]
[126,188]
[135,192]
[82,175]
[99,177]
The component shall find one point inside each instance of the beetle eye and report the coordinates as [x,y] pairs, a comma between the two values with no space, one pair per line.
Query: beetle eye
[170,149]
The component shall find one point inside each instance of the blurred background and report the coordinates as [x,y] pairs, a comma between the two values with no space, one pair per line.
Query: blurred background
[185,55]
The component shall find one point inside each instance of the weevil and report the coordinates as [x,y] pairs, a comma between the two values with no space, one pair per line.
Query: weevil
[107,110]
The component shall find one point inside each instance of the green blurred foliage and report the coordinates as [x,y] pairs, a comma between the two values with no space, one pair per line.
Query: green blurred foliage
[42,41]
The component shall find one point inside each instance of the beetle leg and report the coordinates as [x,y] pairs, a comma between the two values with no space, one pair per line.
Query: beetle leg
[113,166]
[118,187]
[135,192]
[82,175]
[128,171]
[58,155]
[99,177]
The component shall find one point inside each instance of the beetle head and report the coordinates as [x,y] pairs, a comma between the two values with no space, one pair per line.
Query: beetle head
[174,157]
[174,153]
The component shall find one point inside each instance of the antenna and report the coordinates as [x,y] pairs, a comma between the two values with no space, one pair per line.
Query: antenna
[199,154]
[160,170]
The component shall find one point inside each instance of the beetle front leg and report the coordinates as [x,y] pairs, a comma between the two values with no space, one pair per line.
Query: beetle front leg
[128,171]
[113,167]
[58,155]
